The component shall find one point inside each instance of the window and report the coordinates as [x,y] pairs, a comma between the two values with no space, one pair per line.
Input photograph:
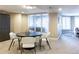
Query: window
[31,22]
[45,23]
[66,23]
[39,22]
[77,22]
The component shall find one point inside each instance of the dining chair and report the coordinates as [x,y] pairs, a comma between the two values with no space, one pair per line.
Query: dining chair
[13,37]
[28,43]
[44,37]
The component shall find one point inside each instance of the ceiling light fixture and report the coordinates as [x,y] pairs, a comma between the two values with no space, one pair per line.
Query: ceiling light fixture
[29,7]
[22,12]
[60,9]
[24,6]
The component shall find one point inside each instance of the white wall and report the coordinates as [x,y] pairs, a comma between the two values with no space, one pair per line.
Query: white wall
[53,24]
[24,23]
[18,22]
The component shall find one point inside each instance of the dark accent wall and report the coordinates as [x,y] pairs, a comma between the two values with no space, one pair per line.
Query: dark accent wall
[4,27]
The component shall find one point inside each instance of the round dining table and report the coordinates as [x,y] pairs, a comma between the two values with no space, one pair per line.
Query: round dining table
[29,34]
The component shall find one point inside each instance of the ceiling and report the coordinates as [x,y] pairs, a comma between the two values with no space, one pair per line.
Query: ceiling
[66,9]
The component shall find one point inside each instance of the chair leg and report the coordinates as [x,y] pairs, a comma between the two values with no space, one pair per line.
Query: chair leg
[11,44]
[19,44]
[48,43]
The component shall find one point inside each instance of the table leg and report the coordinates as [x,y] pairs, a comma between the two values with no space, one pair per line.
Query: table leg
[40,42]
[19,41]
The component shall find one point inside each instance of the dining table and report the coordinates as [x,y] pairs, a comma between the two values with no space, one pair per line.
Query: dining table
[29,34]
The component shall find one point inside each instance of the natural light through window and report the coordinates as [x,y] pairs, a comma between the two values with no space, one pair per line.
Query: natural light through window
[39,22]
[77,22]
[66,23]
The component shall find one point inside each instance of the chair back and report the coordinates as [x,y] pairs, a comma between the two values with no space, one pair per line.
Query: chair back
[28,40]
[45,35]
[48,34]
[12,35]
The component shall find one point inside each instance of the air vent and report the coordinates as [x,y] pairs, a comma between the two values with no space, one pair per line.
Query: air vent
[50,7]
